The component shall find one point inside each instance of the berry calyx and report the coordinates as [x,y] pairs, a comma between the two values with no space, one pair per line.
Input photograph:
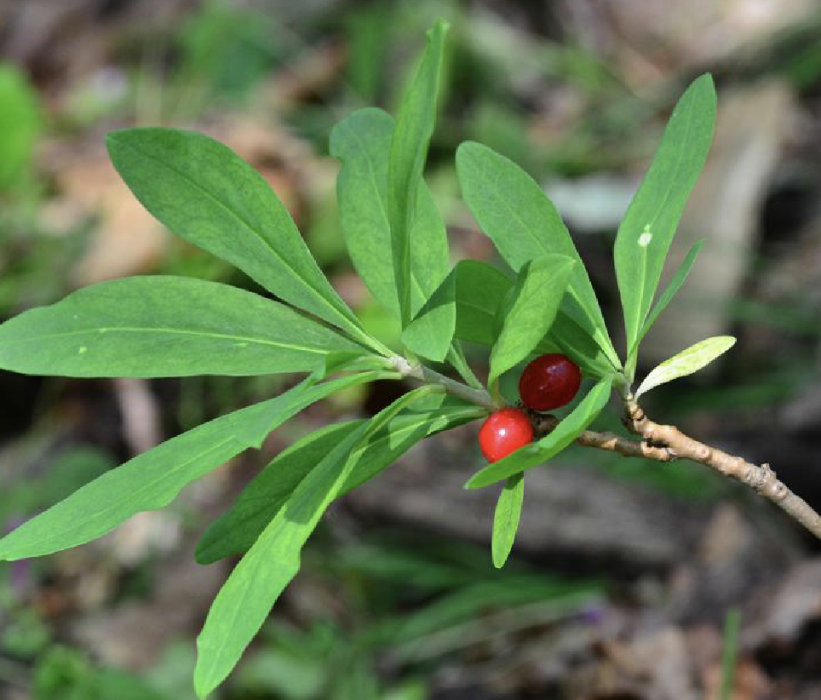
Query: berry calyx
[504,432]
[549,382]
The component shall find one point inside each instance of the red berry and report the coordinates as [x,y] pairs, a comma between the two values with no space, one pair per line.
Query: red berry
[550,381]
[504,432]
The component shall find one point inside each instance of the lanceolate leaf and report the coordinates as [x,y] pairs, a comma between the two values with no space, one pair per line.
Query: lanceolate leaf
[153,479]
[250,592]
[478,291]
[538,293]
[676,283]
[246,598]
[362,142]
[686,362]
[515,213]
[480,288]
[568,338]
[238,529]
[409,150]
[165,327]
[207,194]
[650,223]
[506,518]
[549,446]
[430,334]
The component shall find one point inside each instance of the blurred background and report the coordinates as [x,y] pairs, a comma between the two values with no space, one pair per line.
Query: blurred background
[628,578]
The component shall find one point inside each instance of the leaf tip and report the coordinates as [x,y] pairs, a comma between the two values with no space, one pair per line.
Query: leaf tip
[471,483]
[484,477]
[438,30]
[464,150]
[112,141]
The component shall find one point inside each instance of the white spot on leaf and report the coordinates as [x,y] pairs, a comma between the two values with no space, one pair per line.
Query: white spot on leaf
[83,349]
[645,237]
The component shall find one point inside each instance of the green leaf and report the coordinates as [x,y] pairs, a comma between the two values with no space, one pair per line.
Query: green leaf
[237,530]
[153,479]
[512,209]
[651,220]
[409,150]
[506,518]
[430,334]
[676,283]
[246,599]
[536,298]
[209,196]
[165,327]
[21,123]
[571,340]
[686,362]
[362,142]
[549,446]
[480,289]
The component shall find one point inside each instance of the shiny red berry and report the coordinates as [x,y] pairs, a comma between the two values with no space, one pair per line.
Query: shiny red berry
[549,382]
[504,432]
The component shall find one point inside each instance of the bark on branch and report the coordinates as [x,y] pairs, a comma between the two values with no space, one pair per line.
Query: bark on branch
[665,443]
[662,443]
[759,477]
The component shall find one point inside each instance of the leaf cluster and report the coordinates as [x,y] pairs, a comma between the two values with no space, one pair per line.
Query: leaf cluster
[161,326]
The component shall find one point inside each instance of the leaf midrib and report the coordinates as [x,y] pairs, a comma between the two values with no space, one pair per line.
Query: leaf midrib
[211,196]
[297,530]
[133,495]
[357,454]
[383,206]
[113,330]
[672,185]
[576,278]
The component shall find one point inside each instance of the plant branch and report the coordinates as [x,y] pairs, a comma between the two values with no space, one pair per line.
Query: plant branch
[544,424]
[423,374]
[662,443]
[759,477]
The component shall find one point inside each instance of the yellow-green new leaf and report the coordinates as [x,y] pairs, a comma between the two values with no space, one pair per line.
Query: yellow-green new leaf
[506,518]
[686,362]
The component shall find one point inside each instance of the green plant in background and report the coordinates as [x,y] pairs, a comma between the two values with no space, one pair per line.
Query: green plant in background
[20,126]
[33,261]
[161,326]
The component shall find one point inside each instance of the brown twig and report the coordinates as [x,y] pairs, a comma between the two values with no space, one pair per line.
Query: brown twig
[665,443]
[662,443]
[759,477]
[542,425]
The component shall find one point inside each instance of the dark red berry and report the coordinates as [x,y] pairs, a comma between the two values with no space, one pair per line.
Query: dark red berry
[504,432]
[549,382]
